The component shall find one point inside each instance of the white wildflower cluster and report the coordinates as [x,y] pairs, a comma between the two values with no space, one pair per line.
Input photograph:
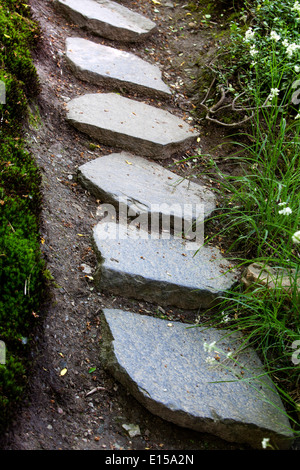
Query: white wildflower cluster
[210,360]
[286,210]
[249,35]
[291,48]
[274,92]
[253,51]
[296,7]
[296,237]
[211,347]
[274,36]
[225,317]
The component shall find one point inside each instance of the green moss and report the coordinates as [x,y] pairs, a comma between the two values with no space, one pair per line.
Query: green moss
[34,117]
[17,35]
[21,263]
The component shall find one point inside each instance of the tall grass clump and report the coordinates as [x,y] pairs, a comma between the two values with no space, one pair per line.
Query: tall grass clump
[259,217]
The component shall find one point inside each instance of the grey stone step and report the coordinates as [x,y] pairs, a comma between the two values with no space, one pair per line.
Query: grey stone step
[107,19]
[136,264]
[145,187]
[131,125]
[100,65]
[164,366]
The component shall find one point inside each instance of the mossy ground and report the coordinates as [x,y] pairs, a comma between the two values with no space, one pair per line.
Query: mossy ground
[21,266]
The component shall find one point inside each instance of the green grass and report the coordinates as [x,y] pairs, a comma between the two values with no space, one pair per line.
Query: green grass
[260,211]
[21,264]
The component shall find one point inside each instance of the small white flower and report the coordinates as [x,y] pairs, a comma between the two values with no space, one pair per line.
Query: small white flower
[291,48]
[249,35]
[274,36]
[282,203]
[209,347]
[297,68]
[253,51]
[274,92]
[285,211]
[285,43]
[225,317]
[210,360]
[296,237]
[297,116]
[296,7]
[265,442]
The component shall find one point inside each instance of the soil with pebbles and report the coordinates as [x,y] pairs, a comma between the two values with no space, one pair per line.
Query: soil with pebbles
[85,408]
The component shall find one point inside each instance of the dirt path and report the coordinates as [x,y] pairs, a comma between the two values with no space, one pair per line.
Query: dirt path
[58,413]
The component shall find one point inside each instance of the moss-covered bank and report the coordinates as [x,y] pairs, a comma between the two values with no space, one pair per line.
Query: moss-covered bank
[21,264]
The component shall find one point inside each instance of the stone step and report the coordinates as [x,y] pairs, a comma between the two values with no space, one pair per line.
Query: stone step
[103,65]
[161,269]
[167,368]
[121,122]
[107,19]
[143,187]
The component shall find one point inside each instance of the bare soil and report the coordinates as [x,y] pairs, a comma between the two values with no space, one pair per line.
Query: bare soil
[58,412]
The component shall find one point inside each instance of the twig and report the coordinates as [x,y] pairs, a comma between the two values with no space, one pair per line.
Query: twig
[218,107]
[97,389]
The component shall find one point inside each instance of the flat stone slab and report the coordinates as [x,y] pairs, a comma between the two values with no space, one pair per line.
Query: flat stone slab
[137,264]
[259,274]
[131,125]
[107,19]
[100,65]
[167,367]
[145,187]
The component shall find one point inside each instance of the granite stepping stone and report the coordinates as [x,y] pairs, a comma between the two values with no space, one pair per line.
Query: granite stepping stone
[199,379]
[107,19]
[134,126]
[160,269]
[103,65]
[145,187]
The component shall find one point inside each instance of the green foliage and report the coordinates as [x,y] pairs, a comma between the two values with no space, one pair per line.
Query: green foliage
[20,268]
[13,112]
[19,176]
[17,35]
[21,264]
[265,32]
[12,377]
[259,216]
